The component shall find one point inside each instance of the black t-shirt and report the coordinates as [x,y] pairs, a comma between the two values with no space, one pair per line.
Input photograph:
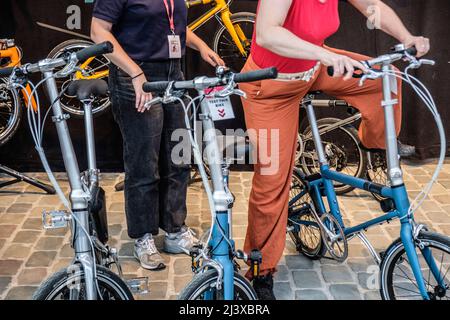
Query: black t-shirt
[142,26]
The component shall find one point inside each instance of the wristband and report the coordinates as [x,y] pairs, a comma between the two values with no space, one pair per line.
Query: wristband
[136,76]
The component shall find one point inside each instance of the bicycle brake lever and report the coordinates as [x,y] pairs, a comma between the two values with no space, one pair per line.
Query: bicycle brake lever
[427,61]
[68,69]
[371,75]
[152,102]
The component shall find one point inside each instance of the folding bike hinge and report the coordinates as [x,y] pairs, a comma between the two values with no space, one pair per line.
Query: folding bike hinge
[55,219]
[64,116]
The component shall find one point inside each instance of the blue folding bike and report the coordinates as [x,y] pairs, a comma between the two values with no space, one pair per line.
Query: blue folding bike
[213,261]
[416,265]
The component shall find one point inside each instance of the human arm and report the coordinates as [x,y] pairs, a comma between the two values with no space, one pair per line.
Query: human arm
[387,20]
[194,42]
[101,31]
[271,35]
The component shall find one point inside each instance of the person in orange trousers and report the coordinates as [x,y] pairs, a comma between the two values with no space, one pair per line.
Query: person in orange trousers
[290,35]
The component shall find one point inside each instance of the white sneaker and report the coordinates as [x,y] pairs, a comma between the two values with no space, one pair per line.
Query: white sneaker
[180,242]
[147,254]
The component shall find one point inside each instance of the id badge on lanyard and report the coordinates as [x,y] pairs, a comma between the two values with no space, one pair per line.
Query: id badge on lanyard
[173,40]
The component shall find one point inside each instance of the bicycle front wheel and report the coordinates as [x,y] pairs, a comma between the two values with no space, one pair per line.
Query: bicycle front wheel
[203,287]
[69,284]
[10,112]
[224,45]
[397,281]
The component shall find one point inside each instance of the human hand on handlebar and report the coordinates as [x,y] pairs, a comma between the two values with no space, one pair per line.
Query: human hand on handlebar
[211,57]
[141,96]
[342,65]
[422,45]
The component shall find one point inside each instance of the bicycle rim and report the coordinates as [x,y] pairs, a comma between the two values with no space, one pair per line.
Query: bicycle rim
[70,285]
[203,287]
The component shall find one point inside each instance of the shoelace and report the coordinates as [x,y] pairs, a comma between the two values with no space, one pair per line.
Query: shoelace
[187,237]
[148,245]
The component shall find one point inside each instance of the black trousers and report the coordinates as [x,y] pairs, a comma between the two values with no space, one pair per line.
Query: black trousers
[155,187]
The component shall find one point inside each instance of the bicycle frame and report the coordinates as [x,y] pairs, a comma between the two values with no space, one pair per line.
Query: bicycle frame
[79,196]
[14,55]
[323,184]
[221,7]
[223,201]
[96,75]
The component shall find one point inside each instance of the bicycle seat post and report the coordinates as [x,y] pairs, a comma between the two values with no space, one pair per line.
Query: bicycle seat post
[393,162]
[315,130]
[90,141]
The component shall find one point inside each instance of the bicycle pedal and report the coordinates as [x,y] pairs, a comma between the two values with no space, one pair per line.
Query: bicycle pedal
[138,285]
[55,219]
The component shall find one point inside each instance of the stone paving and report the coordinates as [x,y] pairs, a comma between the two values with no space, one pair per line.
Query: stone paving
[29,254]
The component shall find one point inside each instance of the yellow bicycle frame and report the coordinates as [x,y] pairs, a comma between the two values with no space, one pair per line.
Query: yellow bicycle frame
[96,75]
[219,6]
[14,56]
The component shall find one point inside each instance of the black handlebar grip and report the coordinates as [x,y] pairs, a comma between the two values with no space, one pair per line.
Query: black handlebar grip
[269,73]
[412,51]
[6,72]
[330,71]
[94,50]
[157,86]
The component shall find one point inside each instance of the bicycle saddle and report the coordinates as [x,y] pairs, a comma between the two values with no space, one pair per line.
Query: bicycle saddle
[314,93]
[87,89]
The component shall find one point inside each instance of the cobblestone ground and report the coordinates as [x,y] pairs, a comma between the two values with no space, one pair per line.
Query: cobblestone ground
[29,254]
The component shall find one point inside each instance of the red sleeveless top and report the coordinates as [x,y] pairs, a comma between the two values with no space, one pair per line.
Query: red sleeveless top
[311,21]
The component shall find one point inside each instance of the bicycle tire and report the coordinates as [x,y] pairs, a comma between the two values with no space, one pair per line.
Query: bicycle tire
[52,287]
[236,18]
[205,281]
[297,234]
[13,124]
[76,110]
[392,259]
[352,133]
[382,177]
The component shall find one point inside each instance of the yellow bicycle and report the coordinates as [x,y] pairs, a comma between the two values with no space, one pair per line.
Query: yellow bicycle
[231,41]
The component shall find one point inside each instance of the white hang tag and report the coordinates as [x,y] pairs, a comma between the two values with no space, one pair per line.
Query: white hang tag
[174,46]
[220,108]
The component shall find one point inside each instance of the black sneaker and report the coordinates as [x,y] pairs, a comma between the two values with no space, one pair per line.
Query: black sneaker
[404,150]
[263,286]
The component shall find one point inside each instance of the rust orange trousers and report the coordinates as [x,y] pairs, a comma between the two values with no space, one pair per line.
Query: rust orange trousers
[272,106]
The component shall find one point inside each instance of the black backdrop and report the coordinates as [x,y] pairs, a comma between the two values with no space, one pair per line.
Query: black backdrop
[429,17]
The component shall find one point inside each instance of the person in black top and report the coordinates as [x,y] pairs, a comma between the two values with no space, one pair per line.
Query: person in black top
[149,38]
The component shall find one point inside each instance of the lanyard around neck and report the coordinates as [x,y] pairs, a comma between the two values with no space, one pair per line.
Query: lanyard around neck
[170,14]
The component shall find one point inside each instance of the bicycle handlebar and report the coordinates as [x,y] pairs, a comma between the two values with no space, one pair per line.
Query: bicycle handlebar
[268,73]
[385,58]
[160,86]
[51,64]
[95,50]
